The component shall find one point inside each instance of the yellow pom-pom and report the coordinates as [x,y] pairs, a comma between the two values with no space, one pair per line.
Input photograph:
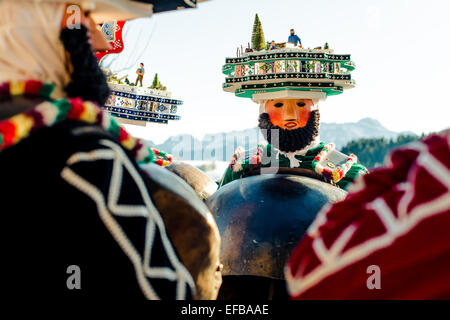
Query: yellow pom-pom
[129,143]
[337,175]
[23,126]
[17,88]
[90,112]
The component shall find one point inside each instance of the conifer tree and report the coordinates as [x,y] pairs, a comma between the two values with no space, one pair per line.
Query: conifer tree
[156,84]
[258,41]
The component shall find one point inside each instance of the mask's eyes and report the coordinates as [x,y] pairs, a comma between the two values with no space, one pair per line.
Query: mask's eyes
[278,105]
[301,104]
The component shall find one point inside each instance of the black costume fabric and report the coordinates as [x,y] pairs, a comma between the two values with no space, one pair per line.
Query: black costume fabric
[71,195]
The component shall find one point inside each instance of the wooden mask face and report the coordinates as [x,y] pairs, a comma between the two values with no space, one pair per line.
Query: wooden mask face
[289,113]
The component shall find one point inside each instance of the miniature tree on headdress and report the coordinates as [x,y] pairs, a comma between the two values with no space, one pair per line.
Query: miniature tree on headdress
[156,84]
[326,46]
[258,41]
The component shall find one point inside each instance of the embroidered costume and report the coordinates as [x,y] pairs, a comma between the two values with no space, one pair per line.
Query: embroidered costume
[311,159]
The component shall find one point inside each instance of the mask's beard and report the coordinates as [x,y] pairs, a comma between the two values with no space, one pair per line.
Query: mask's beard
[87,79]
[291,140]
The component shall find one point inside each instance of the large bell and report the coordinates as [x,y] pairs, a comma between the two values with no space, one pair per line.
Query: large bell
[261,219]
[191,228]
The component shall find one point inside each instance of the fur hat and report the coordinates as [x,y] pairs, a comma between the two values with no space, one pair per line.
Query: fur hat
[109,10]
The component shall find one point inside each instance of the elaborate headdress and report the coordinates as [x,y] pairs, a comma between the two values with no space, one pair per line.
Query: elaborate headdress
[287,73]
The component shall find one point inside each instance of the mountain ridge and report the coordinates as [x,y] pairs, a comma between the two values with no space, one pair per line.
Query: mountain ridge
[221,146]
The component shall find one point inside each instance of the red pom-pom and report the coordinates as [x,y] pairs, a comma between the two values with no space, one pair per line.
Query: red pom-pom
[33,87]
[8,131]
[123,135]
[76,110]
[4,89]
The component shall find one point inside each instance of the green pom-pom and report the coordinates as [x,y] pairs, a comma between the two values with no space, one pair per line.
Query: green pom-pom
[114,128]
[63,106]
[47,90]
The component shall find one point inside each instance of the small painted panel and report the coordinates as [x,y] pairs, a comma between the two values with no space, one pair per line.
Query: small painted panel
[238,71]
[280,66]
[317,67]
[163,108]
[292,66]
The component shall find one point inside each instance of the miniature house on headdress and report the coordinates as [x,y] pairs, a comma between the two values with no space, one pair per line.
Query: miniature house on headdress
[288,72]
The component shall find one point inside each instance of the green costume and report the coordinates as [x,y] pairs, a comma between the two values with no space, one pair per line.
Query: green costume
[306,162]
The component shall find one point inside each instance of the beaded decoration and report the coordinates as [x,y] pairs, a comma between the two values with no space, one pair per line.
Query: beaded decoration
[339,172]
[51,112]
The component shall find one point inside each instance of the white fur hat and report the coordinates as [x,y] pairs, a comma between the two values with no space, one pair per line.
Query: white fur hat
[109,10]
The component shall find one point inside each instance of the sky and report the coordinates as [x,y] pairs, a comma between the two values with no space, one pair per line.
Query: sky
[400,47]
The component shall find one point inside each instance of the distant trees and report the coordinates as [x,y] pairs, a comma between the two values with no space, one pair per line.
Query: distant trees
[372,151]
[258,41]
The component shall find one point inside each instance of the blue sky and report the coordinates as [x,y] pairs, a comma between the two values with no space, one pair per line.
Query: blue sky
[400,47]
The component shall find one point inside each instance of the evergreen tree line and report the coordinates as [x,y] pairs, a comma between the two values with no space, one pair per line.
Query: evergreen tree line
[371,152]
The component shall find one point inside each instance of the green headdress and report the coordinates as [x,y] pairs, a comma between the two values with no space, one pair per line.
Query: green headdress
[288,72]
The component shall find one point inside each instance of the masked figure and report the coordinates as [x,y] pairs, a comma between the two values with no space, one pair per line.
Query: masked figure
[291,128]
[289,112]
[78,210]
[269,195]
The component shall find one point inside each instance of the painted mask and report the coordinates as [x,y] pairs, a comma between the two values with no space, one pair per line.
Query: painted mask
[289,113]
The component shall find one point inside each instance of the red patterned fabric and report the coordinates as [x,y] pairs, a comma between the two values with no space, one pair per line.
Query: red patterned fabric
[396,218]
[114,35]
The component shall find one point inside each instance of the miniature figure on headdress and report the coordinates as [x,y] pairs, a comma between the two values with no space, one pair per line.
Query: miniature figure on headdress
[288,81]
